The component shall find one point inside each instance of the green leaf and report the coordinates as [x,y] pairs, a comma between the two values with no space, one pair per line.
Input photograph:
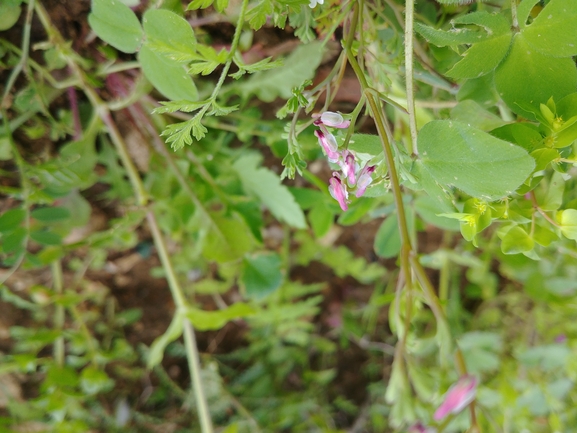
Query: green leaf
[554,32]
[442,38]
[213,320]
[525,135]
[543,157]
[306,197]
[481,58]
[567,220]
[543,236]
[169,78]
[268,188]
[93,381]
[50,214]
[9,13]
[300,65]
[321,218]
[387,240]
[258,15]
[116,24]
[472,160]
[365,143]
[261,275]
[199,4]
[228,239]
[180,134]
[516,240]
[524,10]
[169,35]
[262,65]
[11,219]
[429,210]
[551,197]
[14,241]
[45,237]
[543,77]
[185,106]
[159,345]
[473,114]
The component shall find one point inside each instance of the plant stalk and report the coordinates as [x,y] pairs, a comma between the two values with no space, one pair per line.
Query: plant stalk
[409,17]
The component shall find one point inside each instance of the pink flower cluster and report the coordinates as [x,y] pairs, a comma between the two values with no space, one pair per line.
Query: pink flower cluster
[351,174]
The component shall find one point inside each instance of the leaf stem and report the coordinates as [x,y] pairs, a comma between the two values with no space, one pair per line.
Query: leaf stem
[233,47]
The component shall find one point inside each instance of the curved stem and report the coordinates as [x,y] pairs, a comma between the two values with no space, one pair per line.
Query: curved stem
[409,14]
[194,366]
[389,158]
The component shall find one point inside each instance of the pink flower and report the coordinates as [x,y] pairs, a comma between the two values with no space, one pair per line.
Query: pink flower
[349,167]
[329,143]
[365,179]
[338,191]
[457,397]
[333,120]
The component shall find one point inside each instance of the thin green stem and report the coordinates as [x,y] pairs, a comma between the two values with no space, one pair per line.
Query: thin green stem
[233,48]
[514,15]
[173,283]
[189,337]
[142,198]
[194,366]
[24,57]
[100,107]
[409,17]
[58,285]
[389,158]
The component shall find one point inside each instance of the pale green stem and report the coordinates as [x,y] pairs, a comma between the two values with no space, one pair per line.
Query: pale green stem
[194,366]
[389,158]
[514,15]
[233,48]
[189,337]
[59,313]
[409,16]
[24,58]
[141,196]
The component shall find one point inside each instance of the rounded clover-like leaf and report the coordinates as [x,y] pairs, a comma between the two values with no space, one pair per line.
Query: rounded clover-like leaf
[477,163]
[116,24]
[529,78]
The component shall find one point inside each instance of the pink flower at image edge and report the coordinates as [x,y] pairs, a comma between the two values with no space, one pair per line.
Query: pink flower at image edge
[457,397]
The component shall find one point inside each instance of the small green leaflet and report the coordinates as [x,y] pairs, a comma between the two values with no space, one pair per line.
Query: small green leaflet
[261,275]
[268,188]
[299,66]
[169,78]
[169,35]
[472,160]
[116,24]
